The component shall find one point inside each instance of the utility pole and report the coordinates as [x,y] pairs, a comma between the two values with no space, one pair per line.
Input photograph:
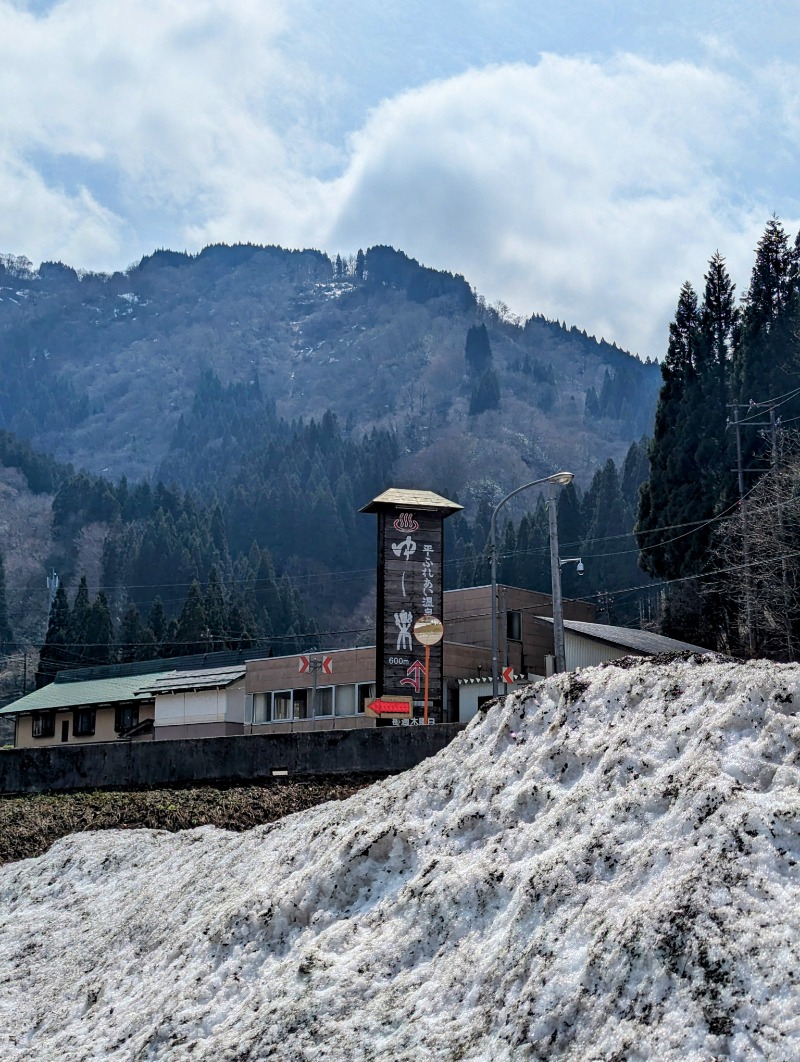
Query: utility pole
[555,582]
[748,597]
[773,430]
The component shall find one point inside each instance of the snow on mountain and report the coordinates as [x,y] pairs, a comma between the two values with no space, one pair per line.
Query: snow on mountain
[604,866]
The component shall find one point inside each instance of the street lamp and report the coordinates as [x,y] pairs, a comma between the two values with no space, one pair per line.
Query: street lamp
[557,479]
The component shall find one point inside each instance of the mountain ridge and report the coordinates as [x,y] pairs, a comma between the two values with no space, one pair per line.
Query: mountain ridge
[101,368]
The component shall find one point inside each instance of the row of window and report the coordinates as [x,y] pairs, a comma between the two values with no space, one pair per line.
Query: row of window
[287,705]
[43,724]
[280,706]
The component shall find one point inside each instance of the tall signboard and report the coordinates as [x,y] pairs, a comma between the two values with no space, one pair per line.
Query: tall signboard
[410,587]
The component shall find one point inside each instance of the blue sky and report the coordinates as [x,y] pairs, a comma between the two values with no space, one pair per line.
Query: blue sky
[579,160]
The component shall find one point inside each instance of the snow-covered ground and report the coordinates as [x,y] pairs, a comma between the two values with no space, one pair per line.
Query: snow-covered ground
[602,867]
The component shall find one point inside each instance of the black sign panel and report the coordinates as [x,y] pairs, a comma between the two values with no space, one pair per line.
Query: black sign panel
[410,585]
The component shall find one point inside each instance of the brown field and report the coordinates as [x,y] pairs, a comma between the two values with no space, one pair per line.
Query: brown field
[30,824]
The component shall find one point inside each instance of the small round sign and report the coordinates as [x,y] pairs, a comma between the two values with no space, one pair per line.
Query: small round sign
[428,630]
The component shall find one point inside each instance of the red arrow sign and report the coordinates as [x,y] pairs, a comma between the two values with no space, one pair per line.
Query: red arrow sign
[508,674]
[417,673]
[306,664]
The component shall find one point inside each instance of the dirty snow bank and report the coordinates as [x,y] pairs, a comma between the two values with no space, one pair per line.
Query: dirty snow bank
[602,867]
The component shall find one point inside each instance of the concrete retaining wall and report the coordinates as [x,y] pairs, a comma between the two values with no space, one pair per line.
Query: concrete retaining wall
[134,765]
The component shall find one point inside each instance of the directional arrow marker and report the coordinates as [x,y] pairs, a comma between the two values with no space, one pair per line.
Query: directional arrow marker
[417,673]
[508,674]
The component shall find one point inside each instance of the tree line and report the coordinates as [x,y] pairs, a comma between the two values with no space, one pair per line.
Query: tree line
[717,515]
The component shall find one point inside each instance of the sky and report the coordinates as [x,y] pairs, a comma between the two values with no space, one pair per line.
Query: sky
[579,160]
[602,866]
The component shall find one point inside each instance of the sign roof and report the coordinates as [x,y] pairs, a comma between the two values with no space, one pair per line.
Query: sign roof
[400,498]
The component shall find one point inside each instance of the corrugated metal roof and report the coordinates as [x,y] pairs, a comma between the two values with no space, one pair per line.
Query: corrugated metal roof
[74,694]
[223,658]
[205,679]
[629,638]
[411,499]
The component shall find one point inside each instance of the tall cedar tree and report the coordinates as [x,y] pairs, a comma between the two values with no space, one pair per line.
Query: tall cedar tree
[478,351]
[99,633]
[77,634]
[191,634]
[673,494]
[132,637]
[486,394]
[766,354]
[54,654]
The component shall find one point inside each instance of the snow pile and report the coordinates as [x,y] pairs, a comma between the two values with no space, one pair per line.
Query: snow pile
[604,866]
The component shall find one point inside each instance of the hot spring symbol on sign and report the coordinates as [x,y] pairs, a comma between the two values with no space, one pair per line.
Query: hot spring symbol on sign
[410,586]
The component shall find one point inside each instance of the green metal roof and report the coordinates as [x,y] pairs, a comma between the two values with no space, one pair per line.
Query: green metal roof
[73,694]
[203,679]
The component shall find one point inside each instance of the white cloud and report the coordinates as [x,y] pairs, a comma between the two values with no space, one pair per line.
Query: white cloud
[165,104]
[55,223]
[584,189]
[580,190]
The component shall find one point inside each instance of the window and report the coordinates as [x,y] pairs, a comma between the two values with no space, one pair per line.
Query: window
[302,704]
[514,626]
[126,717]
[281,705]
[324,703]
[83,722]
[366,693]
[43,724]
[345,700]
[262,708]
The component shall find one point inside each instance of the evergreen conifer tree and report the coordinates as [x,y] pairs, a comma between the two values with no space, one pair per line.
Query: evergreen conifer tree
[670,496]
[157,621]
[131,636]
[486,395]
[570,538]
[478,350]
[99,632]
[215,611]
[77,634]
[54,654]
[191,633]
[611,561]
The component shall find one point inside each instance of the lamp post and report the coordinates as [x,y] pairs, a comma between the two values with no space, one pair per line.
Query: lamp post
[557,479]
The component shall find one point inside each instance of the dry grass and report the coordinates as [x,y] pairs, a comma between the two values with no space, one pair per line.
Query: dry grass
[30,824]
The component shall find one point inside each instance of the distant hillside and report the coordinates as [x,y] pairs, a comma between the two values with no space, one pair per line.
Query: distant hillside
[225,416]
[183,363]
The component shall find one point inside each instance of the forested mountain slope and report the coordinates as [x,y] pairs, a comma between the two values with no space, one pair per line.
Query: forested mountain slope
[182,362]
[226,415]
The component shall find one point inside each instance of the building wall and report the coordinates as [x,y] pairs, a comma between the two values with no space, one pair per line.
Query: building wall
[307,726]
[171,732]
[466,661]
[468,619]
[283,672]
[472,695]
[104,728]
[214,712]
[587,652]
